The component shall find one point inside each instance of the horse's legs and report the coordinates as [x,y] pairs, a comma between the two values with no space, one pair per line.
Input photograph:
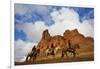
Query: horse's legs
[71,53]
[30,58]
[77,53]
[33,59]
[74,54]
[27,57]
[53,54]
[47,54]
[62,54]
[66,54]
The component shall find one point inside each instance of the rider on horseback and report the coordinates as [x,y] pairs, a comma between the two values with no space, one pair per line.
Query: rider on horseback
[52,48]
[69,44]
[31,54]
[34,50]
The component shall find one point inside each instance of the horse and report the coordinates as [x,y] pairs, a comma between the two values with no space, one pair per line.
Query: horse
[49,51]
[52,51]
[32,55]
[71,50]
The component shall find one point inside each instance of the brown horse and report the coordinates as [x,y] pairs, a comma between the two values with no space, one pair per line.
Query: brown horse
[71,50]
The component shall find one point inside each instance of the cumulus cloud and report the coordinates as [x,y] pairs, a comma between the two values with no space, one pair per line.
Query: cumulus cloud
[33,31]
[65,18]
[31,13]
[22,48]
[65,14]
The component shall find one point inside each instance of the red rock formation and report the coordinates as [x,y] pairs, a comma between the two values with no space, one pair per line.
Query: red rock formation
[44,42]
[86,43]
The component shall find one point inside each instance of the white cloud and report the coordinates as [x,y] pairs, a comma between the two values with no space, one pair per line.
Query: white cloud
[22,48]
[69,19]
[65,14]
[65,18]
[33,31]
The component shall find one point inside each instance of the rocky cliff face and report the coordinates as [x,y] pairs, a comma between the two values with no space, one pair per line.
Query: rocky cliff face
[86,43]
[45,41]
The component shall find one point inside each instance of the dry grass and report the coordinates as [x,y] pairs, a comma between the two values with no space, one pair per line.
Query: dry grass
[85,56]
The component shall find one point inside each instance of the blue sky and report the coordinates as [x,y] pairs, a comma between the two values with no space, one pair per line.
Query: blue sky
[35,13]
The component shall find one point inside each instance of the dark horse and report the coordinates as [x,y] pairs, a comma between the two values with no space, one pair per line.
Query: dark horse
[71,50]
[33,54]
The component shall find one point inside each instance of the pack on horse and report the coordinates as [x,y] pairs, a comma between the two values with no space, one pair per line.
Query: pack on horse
[33,54]
[71,49]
